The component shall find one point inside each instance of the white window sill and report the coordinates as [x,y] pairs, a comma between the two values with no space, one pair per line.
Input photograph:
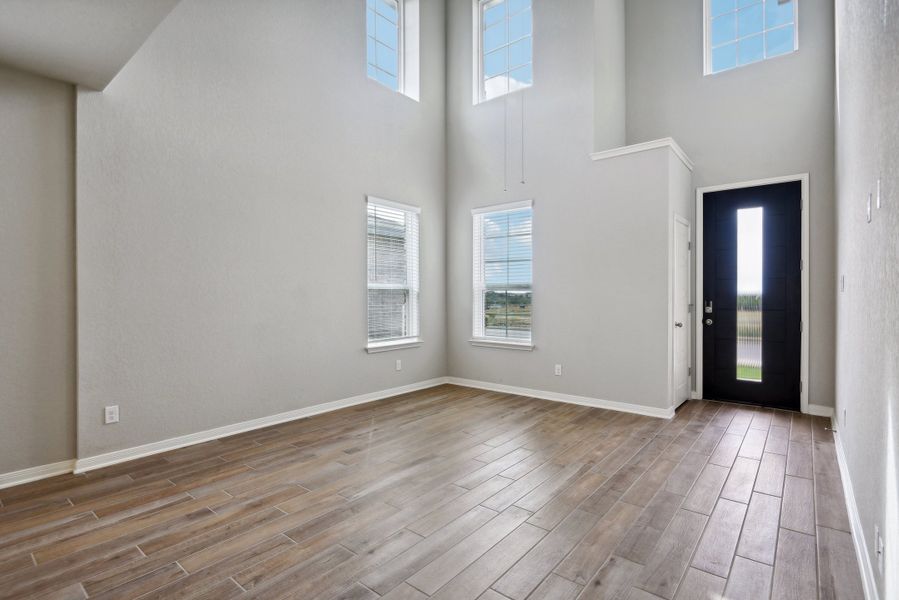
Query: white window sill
[504,344]
[374,347]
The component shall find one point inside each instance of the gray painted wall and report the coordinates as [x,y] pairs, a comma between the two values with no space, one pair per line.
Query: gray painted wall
[610,82]
[37,271]
[867,375]
[221,223]
[764,120]
[595,223]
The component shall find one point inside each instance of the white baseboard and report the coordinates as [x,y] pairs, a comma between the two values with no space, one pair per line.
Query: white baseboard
[119,456]
[855,523]
[663,413]
[34,473]
[819,410]
[90,463]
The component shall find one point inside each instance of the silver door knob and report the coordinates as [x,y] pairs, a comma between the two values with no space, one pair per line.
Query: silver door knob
[708,321]
[678,324]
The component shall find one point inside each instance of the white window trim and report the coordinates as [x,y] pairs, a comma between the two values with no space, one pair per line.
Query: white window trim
[414,341]
[500,344]
[403,344]
[491,342]
[707,40]
[478,46]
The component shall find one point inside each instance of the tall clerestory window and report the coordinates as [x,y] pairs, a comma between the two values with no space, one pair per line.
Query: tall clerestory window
[384,30]
[392,45]
[741,32]
[504,49]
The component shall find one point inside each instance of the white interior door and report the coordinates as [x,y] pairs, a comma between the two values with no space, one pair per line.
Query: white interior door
[681,311]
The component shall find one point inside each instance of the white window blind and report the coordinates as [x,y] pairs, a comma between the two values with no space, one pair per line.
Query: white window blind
[503,273]
[393,273]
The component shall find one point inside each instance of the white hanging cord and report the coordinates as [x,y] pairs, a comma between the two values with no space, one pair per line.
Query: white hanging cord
[522,137]
[505,143]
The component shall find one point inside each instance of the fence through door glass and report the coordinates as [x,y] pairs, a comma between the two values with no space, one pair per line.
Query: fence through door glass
[750,254]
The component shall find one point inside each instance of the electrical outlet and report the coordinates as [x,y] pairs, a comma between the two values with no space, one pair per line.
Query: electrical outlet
[878,548]
[399,365]
[111,414]
[558,370]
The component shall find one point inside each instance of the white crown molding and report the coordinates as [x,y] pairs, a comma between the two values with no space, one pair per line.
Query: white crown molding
[662,413]
[34,473]
[645,146]
[855,523]
[119,456]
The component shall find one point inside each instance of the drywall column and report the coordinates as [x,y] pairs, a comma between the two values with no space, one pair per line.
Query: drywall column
[609,82]
[37,271]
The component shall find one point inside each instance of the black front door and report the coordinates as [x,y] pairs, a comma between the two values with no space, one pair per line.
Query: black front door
[752,305]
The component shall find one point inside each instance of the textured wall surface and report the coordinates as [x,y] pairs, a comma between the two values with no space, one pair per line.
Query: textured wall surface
[596,224]
[867,375]
[221,223]
[763,120]
[37,271]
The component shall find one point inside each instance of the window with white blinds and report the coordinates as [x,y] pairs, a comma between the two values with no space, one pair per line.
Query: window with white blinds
[503,274]
[393,274]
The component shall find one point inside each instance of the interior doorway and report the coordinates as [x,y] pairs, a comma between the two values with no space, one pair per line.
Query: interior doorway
[680,307]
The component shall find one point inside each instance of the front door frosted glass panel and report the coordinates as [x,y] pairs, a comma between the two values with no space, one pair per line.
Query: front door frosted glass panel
[751,309]
[750,266]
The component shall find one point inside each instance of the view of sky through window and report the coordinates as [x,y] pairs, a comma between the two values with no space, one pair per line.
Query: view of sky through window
[383,41]
[741,32]
[506,29]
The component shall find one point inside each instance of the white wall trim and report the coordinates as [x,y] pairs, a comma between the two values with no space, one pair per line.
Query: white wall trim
[508,206]
[855,523]
[90,463]
[662,413]
[819,410]
[643,147]
[803,178]
[119,456]
[34,473]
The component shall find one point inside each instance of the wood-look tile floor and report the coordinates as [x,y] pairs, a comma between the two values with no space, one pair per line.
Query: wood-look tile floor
[452,493]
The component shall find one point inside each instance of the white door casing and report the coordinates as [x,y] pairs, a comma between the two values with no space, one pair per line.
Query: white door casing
[681,311]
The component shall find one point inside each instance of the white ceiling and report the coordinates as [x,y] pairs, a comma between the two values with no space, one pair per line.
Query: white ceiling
[86,42]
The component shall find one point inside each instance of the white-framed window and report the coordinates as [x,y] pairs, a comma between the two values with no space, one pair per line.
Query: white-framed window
[393,239]
[742,32]
[503,275]
[504,39]
[384,42]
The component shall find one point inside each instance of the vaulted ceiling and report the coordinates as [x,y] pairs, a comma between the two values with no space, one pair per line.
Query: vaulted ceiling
[85,42]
